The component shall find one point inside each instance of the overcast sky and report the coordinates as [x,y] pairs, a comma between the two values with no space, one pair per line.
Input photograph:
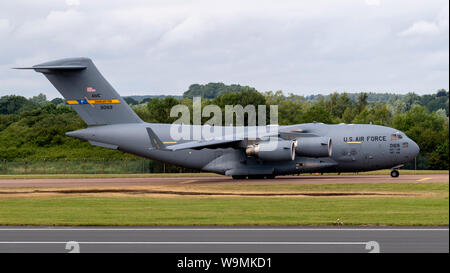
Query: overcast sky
[301,47]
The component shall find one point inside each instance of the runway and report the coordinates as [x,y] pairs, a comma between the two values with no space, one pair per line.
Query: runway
[224,239]
[219,180]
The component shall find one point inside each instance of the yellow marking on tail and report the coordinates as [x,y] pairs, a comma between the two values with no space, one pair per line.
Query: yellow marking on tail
[103,101]
[94,101]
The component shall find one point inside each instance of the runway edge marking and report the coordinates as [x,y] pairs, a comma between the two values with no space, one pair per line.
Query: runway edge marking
[424,179]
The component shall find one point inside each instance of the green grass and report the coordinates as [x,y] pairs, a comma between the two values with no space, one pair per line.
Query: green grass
[40,176]
[224,211]
[435,187]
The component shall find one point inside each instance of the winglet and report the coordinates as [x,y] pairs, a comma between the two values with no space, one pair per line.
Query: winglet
[155,141]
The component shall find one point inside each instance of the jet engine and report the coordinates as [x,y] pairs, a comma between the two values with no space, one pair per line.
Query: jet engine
[281,150]
[314,146]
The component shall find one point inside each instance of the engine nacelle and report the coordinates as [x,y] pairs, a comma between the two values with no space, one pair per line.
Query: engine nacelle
[314,146]
[282,150]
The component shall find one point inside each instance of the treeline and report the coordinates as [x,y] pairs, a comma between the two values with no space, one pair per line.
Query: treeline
[213,90]
[35,127]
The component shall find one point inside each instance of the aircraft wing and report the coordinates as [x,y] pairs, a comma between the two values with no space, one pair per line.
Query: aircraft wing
[202,144]
[225,141]
[159,145]
[294,135]
[232,140]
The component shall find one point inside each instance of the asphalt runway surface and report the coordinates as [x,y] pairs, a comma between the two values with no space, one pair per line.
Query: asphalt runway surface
[219,180]
[224,240]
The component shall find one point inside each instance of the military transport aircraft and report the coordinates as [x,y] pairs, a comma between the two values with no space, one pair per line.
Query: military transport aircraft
[302,148]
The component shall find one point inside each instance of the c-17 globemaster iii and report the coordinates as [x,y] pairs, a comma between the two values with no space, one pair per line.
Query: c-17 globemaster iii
[301,148]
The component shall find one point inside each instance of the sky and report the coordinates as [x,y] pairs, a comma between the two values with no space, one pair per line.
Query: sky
[153,47]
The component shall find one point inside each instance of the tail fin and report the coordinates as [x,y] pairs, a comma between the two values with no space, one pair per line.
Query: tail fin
[87,91]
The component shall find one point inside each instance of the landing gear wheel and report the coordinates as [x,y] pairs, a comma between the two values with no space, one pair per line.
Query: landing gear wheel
[395,173]
[256,177]
[271,176]
[238,176]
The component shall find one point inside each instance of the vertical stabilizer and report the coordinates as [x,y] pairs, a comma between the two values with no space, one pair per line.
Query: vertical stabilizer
[87,91]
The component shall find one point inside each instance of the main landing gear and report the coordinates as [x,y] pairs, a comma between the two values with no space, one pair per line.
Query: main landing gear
[395,173]
[239,176]
[270,176]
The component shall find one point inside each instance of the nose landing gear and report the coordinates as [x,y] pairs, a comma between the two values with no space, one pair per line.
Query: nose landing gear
[394,170]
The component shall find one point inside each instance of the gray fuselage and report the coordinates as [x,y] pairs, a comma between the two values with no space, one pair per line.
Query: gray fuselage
[312,147]
[356,147]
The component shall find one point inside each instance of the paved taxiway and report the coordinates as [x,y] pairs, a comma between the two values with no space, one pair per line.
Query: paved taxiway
[224,239]
[222,180]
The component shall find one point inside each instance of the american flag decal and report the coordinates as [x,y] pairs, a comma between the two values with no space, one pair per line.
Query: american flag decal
[90,89]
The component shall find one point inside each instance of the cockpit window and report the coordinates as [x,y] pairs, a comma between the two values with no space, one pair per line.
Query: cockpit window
[396,136]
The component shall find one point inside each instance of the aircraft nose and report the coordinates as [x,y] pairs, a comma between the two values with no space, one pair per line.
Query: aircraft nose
[414,149]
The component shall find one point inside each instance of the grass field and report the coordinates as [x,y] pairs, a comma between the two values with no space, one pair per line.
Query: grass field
[440,188]
[125,175]
[428,205]
[223,211]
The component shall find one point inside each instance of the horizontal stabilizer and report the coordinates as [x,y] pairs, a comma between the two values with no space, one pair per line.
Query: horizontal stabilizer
[54,67]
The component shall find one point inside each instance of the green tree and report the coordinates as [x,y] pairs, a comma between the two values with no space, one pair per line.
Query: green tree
[317,113]
[248,97]
[348,115]
[131,101]
[159,109]
[376,114]
[58,101]
[40,100]
[342,103]
[427,129]
[439,157]
[244,98]
[410,100]
[290,112]
[274,98]
[15,104]
[213,90]
[362,102]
